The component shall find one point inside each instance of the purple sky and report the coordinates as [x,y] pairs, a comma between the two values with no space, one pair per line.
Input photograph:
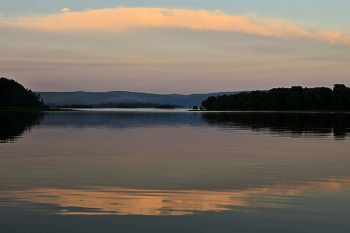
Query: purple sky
[174,47]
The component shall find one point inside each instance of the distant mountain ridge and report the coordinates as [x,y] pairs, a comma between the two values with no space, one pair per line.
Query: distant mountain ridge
[82,97]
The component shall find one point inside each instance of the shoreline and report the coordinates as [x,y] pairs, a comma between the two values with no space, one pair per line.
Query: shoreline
[2,109]
[272,111]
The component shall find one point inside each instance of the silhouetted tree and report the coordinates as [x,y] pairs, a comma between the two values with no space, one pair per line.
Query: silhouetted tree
[341,98]
[13,94]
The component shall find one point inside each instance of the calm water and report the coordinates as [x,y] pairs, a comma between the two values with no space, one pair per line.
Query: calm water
[174,171]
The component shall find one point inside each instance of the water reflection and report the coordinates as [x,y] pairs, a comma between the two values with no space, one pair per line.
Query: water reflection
[124,201]
[191,164]
[121,119]
[295,124]
[14,124]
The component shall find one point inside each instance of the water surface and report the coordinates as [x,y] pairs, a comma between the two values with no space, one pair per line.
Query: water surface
[174,171]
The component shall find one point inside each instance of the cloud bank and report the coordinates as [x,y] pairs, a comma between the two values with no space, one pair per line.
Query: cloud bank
[123,19]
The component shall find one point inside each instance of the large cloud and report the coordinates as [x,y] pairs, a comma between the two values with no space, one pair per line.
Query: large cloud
[123,19]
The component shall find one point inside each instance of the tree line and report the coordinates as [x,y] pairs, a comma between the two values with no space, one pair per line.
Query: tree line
[13,94]
[294,98]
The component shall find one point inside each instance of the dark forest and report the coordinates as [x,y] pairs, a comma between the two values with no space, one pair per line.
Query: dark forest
[13,94]
[294,98]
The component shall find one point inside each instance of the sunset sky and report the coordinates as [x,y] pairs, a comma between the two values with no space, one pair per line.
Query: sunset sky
[174,46]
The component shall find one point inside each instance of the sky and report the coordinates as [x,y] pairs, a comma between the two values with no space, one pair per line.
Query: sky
[171,46]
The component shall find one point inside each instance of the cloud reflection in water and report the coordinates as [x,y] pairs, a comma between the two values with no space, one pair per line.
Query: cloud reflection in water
[124,201]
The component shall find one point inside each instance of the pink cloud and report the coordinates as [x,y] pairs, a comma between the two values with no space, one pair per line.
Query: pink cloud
[123,19]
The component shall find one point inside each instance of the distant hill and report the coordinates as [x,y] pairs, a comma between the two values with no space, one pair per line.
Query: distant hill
[86,98]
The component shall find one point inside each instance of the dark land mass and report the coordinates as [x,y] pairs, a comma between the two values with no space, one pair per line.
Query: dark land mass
[98,98]
[283,99]
[14,95]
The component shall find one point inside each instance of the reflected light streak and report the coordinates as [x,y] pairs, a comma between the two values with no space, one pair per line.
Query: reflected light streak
[124,201]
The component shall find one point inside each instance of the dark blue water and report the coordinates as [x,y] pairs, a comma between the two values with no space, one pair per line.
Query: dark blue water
[174,171]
